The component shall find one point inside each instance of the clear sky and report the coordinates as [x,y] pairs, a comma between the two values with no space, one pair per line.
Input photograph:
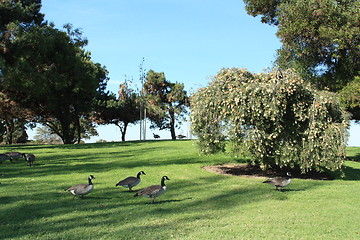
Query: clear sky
[188,40]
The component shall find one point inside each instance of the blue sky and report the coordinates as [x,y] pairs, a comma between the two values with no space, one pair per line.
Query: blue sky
[188,40]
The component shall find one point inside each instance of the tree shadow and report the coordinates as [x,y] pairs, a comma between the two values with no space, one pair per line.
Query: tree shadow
[32,210]
[351,174]
[168,201]
[355,158]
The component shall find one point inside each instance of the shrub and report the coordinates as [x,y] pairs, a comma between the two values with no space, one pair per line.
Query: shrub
[282,122]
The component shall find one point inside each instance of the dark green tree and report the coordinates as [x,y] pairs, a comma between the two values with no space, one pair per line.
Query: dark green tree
[50,73]
[320,39]
[17,16]
[13,119]
[120,111]
[167,102]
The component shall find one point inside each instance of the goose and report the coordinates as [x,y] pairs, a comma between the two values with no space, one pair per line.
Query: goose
[154,190]
[279,182]
[30,158]
[131,182]
[4,157]
[82,189]
[15,155]
[156,136]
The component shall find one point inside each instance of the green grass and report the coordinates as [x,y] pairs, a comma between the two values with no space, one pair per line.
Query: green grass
[197,205]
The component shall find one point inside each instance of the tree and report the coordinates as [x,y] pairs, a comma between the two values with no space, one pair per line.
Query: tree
[350,97]
[281,122]
[44,135]
[17,16]
[2,130]
[320,39]
[13,118]
[120,111]
[50,73]
[167,102]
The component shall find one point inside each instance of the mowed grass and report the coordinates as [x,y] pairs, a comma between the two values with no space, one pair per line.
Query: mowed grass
[197,205]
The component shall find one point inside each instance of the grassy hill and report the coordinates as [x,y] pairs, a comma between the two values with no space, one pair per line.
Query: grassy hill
[197,205]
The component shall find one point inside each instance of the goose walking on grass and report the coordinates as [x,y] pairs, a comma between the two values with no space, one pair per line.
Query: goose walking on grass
[4,157]
[131,182]
[279,182]
[82,189]
[154,190]
[30,158]
[15,155]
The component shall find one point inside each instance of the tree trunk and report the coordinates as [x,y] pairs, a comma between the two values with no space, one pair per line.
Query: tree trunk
[123,131]
[78,126]
[67,133]
[172,125]
[10,128]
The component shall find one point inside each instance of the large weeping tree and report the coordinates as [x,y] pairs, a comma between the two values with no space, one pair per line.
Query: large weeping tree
[320,39]
[281,122]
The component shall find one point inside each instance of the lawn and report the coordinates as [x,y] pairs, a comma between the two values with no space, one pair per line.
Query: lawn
[197,205]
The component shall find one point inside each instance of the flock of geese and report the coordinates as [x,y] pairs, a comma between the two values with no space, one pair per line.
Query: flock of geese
[151,192]
[11,156]
[154,191]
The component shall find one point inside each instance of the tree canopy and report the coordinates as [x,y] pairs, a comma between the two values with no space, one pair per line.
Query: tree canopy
[50,73]
[17,16]
[320,39]
[167,102]
[13,119]
[120,111]
[281,122]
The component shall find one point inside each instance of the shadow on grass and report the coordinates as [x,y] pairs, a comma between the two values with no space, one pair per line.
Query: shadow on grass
[355,158]
[54,212]
[351,174]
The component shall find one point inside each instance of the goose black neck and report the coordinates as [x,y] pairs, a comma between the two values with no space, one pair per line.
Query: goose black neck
[163,182]
[138,175]
[90,182]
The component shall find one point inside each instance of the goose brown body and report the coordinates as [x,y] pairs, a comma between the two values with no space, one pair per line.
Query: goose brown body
[15,155]
[4,157]
[82,189]
[131,182]
[279,182]
[30,158]
[154,190]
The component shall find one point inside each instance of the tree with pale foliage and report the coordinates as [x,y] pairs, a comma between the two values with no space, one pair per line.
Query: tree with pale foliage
[45,135]
[281,122]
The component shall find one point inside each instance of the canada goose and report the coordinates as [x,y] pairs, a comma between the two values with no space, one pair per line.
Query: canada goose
[131,182]
[154,190]
[4,157]
[279,182]
[30,158]
[156,136]
[15,155]
[180,136]
[81,189]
